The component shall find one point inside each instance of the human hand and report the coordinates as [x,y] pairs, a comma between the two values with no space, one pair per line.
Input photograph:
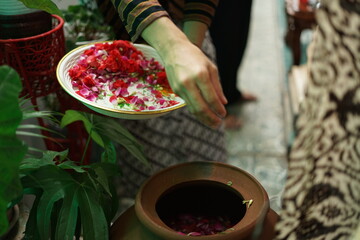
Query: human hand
[190,73]
[195,78]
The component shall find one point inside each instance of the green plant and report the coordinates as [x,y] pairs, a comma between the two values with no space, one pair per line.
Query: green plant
[44,5]
[71,199]
[84,24]
[12,150]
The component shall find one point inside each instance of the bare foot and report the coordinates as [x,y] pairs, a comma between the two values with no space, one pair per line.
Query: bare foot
[232,122]
[248,97]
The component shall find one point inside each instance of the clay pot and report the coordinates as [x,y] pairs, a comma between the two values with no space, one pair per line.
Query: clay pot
[206,187]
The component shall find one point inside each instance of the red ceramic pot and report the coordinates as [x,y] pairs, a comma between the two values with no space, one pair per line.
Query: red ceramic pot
[208,188]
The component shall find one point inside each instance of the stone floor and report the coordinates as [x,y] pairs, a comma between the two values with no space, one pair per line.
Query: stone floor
[260,147]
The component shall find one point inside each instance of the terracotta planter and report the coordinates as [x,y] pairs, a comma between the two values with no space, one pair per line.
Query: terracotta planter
[204,187]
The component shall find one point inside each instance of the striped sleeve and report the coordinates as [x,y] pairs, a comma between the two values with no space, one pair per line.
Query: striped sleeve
[136,15]
[200,10]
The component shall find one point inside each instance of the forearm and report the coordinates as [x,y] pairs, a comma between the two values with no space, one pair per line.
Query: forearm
[137,15]
[195,31]
[162,34]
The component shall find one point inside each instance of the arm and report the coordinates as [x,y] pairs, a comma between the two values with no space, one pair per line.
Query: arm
[198,16]
[190,72]
[195,31]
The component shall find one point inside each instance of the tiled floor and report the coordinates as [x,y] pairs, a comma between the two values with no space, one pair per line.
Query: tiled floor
[260,146]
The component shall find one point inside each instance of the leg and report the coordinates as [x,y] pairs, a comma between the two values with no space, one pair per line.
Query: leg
[229,32]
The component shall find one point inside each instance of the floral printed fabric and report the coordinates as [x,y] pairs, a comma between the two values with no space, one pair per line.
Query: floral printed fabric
[322,194]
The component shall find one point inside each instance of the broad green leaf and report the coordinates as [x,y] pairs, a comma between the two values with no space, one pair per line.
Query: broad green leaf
[45,5]
[10,87]
[93,218]
[48,158]
[109,154]
[73,191]
[73,116]
[110,169]
[50,179]
[70,165]
[111,129]
[67,217]
[32,232]
[101,178]
[104,129]
[12,150]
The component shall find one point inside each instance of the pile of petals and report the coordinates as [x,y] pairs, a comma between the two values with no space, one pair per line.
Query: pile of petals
[120,74]
[198,225]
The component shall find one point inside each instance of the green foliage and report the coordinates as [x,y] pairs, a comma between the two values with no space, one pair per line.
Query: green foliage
[79,192]
[44,5]
[84,24]
[70,198]
[104,131]
[12,150]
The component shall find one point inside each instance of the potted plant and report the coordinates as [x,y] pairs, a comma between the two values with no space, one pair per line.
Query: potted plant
[84,25]
[72,199]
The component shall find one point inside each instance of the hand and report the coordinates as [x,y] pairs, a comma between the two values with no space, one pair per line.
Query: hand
[195,78]
[191,74]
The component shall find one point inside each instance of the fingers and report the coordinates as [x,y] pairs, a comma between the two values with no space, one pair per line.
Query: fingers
[200,108]
[195,78]
[211,91]
[214,76]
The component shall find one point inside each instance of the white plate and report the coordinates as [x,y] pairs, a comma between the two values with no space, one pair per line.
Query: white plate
[71,58]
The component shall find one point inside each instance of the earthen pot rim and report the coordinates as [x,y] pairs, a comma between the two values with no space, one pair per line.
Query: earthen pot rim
[241,181]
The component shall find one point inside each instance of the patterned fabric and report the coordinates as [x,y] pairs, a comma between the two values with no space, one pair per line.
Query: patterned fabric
[322,194]
[135,15]
[171,139]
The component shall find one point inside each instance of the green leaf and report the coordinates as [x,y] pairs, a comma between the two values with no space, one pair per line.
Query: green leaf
[92,216]
[111,129]
[12,150]
[72,191]
[38,127]
[38,114]
[67,217]
[10,87]
[32,232]
[101,178]
[48,158]
[45,5]
[109,154]
[104,130]
[73,116]
[70,165]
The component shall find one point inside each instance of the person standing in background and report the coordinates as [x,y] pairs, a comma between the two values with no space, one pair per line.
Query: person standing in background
[177,30]
[229,32]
